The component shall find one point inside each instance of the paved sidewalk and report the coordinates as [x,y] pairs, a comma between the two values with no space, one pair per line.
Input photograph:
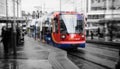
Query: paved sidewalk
[115,42]
[35,55]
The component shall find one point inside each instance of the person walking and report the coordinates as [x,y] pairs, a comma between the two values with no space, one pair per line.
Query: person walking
[111,31]
[4,40]
[92,34]
[111,35]
[98,32]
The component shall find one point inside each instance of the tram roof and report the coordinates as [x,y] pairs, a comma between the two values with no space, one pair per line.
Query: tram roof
[107,20]
[11,20]
[65,12]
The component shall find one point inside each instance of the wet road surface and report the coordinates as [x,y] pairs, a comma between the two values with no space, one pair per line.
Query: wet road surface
[95,56]
[29,56]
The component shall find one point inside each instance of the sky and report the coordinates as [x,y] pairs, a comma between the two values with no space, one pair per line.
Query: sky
[49,5]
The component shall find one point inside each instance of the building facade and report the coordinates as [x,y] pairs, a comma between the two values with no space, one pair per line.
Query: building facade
[7,8]
[81,6]
[2,8]
[11,4]
[98,10]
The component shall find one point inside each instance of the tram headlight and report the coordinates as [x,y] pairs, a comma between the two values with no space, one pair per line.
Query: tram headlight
[83,36]
[63,36]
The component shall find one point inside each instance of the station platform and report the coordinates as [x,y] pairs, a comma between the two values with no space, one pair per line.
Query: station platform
[36,55]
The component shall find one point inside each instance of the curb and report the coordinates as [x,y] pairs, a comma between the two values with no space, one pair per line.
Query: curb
[59,60]
[104,43]
[54,62]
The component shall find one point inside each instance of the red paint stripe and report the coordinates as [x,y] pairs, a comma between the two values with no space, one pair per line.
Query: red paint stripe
[54,39]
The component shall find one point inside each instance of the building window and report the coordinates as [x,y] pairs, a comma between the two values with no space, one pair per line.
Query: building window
[113,0]
[92,1]
[96,16]
[103,0]
[88,24]
[98,8]
[94,24]
[98,1]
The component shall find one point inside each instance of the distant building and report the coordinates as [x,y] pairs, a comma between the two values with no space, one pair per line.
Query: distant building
[17,8]
[2,8]
[6,10]
[82,6]
[8,5]
[101,9]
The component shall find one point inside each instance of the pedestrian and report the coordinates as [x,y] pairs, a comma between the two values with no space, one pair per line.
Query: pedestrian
[9,38]
[92,34]
[18,35]
[111,32]
[111,35]
[4,40]
[98,32]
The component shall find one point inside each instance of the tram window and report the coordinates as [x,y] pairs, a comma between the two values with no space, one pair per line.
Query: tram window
[62,27]
[79,26]
[55,29]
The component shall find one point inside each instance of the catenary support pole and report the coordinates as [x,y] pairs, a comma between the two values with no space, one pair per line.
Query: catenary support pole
[14,30]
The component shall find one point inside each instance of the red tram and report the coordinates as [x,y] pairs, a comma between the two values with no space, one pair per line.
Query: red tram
[65,30]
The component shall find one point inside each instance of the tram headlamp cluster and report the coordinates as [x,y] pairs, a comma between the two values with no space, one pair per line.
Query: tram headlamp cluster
[63,36]
[83,36]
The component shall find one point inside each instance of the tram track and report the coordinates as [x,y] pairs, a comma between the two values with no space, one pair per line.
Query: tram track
[101,55]
[82,57]
[110,48]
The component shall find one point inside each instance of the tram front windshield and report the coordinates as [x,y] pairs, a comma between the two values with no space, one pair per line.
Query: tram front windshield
[71,23]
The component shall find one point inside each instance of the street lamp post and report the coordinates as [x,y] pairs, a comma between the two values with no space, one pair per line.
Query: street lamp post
[35,30]
[7,13]
[105,25]
[60,5]
[14,30]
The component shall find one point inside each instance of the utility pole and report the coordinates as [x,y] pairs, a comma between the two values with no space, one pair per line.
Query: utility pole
[60,5]
[112,8]
[17,12]
[74,5]
[17,8]
[105,25]
[44,8]
[81,6]
[7,13]
[14,31]
[111,29]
